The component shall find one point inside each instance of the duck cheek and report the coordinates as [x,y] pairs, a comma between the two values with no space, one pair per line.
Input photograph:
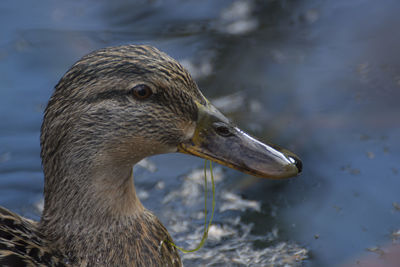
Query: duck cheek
[133,149]
[188,131]
[169,138]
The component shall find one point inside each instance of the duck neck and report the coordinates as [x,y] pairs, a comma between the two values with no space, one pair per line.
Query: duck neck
[93,194]
[93,216]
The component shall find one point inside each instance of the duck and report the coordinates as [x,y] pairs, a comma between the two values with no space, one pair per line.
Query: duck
[113,108]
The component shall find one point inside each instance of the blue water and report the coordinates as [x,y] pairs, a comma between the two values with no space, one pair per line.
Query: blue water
[321,78]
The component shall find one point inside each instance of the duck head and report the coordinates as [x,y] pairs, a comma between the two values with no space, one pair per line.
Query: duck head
[122,104]
[113,108]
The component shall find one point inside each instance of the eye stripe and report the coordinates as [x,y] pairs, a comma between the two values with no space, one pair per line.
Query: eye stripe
[107,95]
[114,94]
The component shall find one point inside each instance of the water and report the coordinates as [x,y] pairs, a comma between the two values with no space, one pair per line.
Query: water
[321,78]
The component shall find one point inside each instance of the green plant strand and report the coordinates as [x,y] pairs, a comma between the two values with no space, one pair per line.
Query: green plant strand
[206,226]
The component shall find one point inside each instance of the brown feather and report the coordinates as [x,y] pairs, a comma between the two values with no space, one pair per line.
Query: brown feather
[94,130]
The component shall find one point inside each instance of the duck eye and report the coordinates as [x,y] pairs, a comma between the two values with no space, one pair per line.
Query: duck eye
[141,91]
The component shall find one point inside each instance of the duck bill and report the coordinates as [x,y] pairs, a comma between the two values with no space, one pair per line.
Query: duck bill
[217,139]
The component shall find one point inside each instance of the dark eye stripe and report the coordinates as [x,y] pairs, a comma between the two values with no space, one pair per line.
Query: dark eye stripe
[107,95]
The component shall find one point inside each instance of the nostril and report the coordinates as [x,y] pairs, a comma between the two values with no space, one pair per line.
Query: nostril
[221,129]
